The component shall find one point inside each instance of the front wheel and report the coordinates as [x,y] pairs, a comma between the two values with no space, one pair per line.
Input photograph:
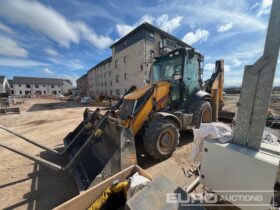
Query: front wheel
[160,138]
[202,113]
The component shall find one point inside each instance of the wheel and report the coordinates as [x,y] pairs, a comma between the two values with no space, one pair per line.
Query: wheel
[202,113]
[160,138]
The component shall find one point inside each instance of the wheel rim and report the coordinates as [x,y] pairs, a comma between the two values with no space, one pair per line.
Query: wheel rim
[206,116]
[166,141]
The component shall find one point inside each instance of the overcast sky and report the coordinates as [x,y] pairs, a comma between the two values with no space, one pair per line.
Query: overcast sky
[65,38]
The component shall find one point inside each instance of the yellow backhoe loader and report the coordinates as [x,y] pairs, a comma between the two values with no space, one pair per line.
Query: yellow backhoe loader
[172,100]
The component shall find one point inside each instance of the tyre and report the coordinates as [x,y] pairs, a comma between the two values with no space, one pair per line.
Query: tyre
[202,113]
[160,138]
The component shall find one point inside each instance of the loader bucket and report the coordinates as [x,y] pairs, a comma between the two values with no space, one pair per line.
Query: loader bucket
[110,153]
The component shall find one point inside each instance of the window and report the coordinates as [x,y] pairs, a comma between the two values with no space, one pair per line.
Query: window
[104,67]
[111,83]
[141,67]
[117,78]
[116,63]
[52,86]
[111,92]
[20,92]
[105,85]
[19,85]
[27,86]
[125,75]
[36,86]
[117,91]
[104,75]
[12,86]
[110,74]
[124,59]
[44,85]
[44,92]
[150,36]
[12,92]
[101,84]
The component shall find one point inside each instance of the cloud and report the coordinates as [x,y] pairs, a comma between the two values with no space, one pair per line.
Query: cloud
[49,22]
[200,35]
[20,63]
[41,19]
[124,29]
[48,71]
[167,24]
[5,28]
[227,67]
[225,27]
[89,35]
[69,64]
[264,7]
[236,62]
[276,82]
[9,47]
[209,67]
[51,52]
[72,77]
[164,22]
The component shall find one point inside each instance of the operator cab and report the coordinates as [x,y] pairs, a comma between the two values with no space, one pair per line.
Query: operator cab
[183,69]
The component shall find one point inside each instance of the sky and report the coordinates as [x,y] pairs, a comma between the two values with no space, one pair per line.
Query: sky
[64,39]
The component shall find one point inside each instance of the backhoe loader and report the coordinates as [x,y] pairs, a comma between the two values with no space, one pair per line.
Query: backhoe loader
[172,100]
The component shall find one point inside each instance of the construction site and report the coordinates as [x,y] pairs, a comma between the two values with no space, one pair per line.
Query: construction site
[174,141]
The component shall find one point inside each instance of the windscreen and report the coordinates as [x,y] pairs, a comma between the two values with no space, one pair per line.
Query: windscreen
[165,67]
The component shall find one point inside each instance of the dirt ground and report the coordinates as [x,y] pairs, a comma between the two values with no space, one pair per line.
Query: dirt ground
[25,185]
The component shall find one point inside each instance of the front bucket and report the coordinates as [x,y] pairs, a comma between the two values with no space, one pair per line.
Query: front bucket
[112,152]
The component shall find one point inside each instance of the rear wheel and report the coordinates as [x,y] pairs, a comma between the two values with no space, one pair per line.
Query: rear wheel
[160,138]
[202,113]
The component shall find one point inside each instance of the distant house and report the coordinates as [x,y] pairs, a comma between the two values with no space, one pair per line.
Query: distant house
[37,86]
[4,86]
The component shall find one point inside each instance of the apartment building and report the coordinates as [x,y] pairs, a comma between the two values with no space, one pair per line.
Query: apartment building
[131,60]
[82,85]
[37,86]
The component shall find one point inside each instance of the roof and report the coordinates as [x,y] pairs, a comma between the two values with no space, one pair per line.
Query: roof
[67,80]
[153,28]
[10,81]
[2,78]
[37,80]
[107,60]
[82,77]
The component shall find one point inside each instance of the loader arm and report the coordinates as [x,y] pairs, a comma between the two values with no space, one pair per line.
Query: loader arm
[215,86]
[138,105]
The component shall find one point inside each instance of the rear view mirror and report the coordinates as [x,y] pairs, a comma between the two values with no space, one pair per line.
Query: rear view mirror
[191,54]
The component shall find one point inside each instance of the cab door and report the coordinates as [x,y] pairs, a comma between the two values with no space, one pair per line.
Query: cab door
[191,76]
